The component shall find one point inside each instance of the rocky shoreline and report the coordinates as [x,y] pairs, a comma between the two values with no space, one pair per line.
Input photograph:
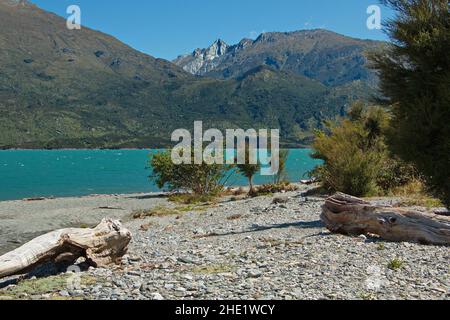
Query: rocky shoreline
[250,249]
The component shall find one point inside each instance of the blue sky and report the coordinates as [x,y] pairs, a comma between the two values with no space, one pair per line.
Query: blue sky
[167,28]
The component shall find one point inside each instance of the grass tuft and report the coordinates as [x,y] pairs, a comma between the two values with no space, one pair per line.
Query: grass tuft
[49,285]
[159,211]
[187,198]
[269,189]
[395,264]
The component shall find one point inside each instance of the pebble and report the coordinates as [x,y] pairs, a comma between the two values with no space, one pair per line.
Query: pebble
[254,274]
[157,296]
[362,237]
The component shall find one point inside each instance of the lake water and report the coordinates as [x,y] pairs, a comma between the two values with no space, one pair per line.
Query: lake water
[62,173]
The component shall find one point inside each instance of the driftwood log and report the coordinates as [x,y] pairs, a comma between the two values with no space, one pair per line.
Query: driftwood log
[348,215]
[101,246]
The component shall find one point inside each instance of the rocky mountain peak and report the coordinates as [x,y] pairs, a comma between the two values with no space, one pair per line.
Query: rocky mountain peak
[318,54]
[16,3]
[86,89]
[202,60]
[217,49]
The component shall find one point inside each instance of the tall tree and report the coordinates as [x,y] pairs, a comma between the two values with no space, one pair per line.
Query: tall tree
[415,81]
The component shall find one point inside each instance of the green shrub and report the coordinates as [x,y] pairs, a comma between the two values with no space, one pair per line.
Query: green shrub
[352,158]
[356,158]
[395,264]
[201,179]
[395,173]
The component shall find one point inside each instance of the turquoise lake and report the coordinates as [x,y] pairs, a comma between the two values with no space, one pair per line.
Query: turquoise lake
[63,173]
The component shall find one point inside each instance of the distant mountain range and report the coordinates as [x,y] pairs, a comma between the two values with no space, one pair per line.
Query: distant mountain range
[321,55]
[85,89]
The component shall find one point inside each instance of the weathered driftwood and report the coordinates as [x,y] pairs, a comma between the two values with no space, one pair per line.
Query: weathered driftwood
[101,246]
[348,215]
[309,181]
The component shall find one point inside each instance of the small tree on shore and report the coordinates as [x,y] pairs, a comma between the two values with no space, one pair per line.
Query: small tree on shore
[248,170]
[282,175]
[203,179]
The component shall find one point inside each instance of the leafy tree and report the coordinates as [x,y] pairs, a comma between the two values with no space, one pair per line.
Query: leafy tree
[356,111]
[415,81]
[201,179]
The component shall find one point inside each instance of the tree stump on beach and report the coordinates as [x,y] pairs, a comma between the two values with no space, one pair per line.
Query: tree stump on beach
[101,246]
[348,215]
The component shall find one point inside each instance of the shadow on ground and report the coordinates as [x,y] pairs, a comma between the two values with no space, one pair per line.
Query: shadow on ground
[258,228]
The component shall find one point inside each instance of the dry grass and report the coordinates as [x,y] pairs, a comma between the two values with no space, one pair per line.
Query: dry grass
[188,198]
[159,211]
[192,208]
[414,194]
[49,285]
[268,189]
[163,211]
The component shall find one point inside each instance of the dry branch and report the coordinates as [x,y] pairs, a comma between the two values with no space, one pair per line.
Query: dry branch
[101,246]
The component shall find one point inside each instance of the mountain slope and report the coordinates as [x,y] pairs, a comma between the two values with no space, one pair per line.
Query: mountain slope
[85,89]
[60,84]
[321,55]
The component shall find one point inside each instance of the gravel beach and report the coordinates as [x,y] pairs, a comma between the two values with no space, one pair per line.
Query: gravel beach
[237,249]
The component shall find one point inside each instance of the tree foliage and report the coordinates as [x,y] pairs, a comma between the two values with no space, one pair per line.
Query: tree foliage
[248,169]
[204,179]
[356,158]
[415,80]
[282,174]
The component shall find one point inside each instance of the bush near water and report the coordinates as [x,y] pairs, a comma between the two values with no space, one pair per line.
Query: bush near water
[356,158]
